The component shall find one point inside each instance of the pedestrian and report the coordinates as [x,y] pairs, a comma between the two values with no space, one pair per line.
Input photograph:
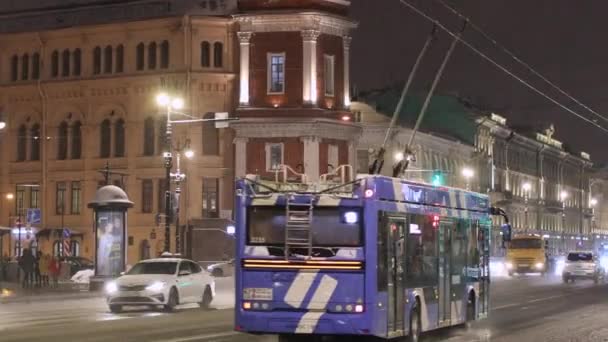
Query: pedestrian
[36,270]
[26,262]
[44,266]
[54,269]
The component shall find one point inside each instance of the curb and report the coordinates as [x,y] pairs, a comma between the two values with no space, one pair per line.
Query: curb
[50,297]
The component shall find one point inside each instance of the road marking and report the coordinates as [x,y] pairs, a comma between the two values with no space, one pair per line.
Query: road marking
[543,299]
[203,337]
[505,306]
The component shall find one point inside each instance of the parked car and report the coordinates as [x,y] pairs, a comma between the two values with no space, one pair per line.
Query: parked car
[222,269]
[164,282]
[582,265]
[78,264]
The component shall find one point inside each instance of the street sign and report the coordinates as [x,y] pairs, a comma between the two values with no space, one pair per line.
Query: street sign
[33,216]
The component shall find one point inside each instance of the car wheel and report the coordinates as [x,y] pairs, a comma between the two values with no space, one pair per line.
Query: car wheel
[116,308]
[415,325]
[217,272]
[470,318]
[172,301]
[566,280]
[206,300]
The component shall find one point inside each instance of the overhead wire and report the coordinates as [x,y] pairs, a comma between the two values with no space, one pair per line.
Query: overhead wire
[452,8]
[499,66]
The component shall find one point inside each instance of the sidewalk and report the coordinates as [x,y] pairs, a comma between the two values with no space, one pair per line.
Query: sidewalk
[13,293]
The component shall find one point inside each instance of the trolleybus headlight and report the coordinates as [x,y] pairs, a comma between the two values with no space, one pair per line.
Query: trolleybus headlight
[539,265]
[247,305]
[359,308]
[351,217]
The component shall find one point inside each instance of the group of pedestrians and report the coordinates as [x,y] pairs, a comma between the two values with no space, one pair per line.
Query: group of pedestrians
[39,269]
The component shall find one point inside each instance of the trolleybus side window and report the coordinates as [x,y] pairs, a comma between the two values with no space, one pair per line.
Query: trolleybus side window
[473,252]
[382,246]
[421,251]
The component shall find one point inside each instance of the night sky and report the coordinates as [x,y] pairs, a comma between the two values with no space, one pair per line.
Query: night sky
[562,39]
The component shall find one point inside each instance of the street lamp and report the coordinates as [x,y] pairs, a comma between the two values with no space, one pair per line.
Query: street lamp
[593,202]
[468,173]
[10,196]
[178,176]
[563,195]
[526,187]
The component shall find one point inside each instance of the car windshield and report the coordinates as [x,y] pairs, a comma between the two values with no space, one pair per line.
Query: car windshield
[165,267]
[580,257]
[526,244]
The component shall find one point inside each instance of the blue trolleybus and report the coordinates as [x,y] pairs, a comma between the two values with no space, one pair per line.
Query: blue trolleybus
[378,256]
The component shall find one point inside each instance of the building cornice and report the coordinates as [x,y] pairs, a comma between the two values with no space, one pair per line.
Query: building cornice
[279,128]
[290,22]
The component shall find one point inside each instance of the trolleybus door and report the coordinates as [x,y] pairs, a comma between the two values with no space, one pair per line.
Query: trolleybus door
[396,272]
[483,244]
[445,301]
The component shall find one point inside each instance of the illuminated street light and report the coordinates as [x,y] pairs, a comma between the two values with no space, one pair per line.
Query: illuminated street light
[2,124]
[468,173]
[10,196]
[593,202]
[399,156]
[177,103]
[189,154]
[563,195]
[163,99]
[527,186]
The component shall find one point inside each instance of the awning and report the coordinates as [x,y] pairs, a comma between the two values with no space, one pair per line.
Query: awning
[56,232]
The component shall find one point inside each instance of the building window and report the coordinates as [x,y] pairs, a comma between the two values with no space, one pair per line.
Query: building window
[332,157]
[34,197]
[76,199]
[152,56]
[164,54]
[60,198]
[14,68]
[107,60]
[21,143]
[77,59]
[120,59]
[362,161]
[25,67]
[62,141]
[65,63]
[329,75]
[205,54]
[218,54]
[105,139]
[274,156]
[276,73]
[35,66]
[139,52]
[211,139]
[161,195]
[76,140]
[35,146]
[97,60]
[119,136]
[75,247]
[20,199]
[147,195]
[55,64]
[210,197]
[149,137]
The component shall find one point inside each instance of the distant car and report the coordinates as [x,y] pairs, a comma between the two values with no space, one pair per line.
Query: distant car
[78,264]
[223,269]
[164,282]
[582,265]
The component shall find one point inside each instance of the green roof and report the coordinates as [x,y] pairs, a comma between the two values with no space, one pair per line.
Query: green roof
[446,115]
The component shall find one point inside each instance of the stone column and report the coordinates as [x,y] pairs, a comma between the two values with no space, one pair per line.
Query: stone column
[240,157]
[346,40]
[352,158]
[309,66]
[311,157]
[244,41]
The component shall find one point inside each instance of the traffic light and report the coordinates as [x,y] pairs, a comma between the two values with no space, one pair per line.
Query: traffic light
[437,178]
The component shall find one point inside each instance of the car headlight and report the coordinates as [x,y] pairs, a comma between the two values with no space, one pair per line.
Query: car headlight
[111,287]
[156,286]
[509,265]
[209,268]
[539,265]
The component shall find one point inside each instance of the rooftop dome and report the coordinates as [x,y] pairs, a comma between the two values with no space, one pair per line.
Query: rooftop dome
[110,196]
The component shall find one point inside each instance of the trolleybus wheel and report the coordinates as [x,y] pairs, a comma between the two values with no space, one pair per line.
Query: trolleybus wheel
[415,325]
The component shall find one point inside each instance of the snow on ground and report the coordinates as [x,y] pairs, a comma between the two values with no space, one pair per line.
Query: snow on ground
[83,277]
[224,293]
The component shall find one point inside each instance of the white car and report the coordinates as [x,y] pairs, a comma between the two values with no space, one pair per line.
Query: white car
[582,265]
[223,269]
[164,282]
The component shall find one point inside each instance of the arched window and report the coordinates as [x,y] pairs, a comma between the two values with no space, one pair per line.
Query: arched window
[211,137]
[62,141]
[140,56]
[218,54]
[76,140]
[97,60]
[21,143]
[75,247]
[25,67]
[205,54]
[14,68]
[65,63]
[36,66]
[119,138]
[152,56]
[77,57]
[164,54]
[149,137]
[105,141]
[57,248]
[55,64]
[35,145]
[120,58]
[107,60]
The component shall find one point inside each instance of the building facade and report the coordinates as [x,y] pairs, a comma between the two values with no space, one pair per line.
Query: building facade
[77,90]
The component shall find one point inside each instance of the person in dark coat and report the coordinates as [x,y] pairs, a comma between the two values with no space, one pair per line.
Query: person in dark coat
[26,262]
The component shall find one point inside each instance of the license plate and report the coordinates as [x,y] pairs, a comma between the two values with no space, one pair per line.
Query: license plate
[257,293]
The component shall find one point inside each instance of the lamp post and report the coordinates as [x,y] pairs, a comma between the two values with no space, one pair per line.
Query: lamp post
[468,173]
[526,187]
[179,177]
[9,197]
[563,195]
